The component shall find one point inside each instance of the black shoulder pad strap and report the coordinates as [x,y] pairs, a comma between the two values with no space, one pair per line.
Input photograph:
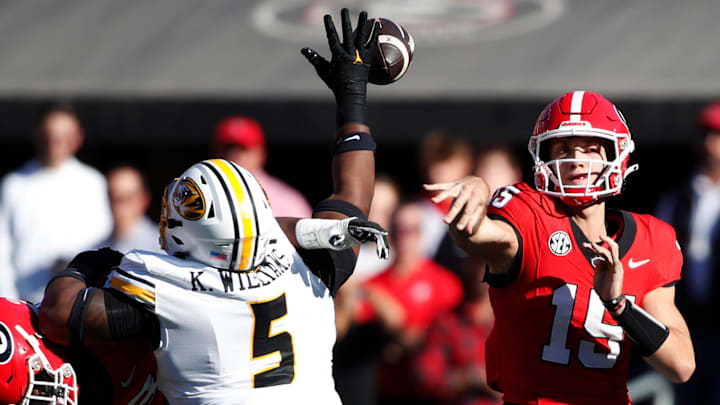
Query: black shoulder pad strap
[77,316]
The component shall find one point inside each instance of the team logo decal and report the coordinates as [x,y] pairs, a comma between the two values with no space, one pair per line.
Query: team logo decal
[559,243]
[188,199]
[6,344]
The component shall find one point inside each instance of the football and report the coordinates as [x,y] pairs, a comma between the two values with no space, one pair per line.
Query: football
[393,54]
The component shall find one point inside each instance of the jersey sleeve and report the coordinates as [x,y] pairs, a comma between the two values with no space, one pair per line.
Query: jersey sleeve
[132,279]
[514,206]
[669,254]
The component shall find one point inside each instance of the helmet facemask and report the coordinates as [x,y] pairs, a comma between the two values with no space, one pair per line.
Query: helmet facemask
[57,386]
[593,117]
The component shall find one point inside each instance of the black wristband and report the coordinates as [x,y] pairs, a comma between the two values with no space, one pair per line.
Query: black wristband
[341,206]
[350,95]
[613,304]
[353,141]
[646,332]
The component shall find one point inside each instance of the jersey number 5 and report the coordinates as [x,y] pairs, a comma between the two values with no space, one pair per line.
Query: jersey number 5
[556,351]
[264,344]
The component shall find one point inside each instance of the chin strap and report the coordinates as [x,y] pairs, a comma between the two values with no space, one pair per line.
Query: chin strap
[631,169]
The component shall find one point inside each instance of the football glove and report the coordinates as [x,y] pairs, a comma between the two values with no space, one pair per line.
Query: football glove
[346,74]
[315,233]
[364,231]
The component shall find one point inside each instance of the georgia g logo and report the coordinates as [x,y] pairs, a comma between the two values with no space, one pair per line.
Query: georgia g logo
[188,200]
[559,243]
[6,344]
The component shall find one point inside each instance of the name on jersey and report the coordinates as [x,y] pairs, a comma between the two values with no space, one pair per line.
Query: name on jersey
[275,266]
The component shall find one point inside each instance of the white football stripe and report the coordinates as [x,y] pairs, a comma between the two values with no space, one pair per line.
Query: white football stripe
[576,105]
[389,39]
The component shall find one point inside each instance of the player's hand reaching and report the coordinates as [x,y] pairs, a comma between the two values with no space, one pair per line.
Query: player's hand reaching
[346,74]
[366,231]
[471,195]
[341,234]
[608,279]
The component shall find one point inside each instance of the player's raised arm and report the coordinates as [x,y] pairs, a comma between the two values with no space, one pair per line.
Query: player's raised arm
[346,74]
[353,166]
[474,232]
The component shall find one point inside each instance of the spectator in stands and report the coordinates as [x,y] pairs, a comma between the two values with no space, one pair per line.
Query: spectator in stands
[358,347]
[499,166]
[404,300]
[442,157]
[50,208]
[129,202]
[241,140]
[385,201]
[451,365]
[694,210]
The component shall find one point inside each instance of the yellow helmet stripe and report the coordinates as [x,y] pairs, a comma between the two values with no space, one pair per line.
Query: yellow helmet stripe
[247,242]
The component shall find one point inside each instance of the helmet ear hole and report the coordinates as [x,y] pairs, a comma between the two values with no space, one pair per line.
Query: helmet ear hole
[177,240]
[211,211]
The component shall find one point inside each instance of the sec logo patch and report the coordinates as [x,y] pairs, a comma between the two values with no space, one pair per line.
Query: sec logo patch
[559,243]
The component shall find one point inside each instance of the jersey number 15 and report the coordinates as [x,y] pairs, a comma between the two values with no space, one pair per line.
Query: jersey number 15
[556,351]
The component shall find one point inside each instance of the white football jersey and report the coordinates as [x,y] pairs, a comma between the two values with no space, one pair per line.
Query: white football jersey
[260,337]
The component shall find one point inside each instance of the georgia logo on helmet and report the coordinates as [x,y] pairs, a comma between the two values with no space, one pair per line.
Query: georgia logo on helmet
[217,213]
[582,114]
[29,369]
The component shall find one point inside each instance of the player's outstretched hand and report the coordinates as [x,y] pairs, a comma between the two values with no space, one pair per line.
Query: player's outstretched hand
[347,71]
[471,195]
[608,279]
[366,231]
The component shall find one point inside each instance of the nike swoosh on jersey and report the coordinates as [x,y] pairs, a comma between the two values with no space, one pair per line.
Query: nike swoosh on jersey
[127,382]
[632,264]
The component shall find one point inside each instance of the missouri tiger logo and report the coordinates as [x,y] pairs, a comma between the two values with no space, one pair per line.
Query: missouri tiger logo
[189,200]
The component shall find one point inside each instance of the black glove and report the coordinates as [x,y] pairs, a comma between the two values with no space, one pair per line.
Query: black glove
[95,264]
[364,231]
[347,73]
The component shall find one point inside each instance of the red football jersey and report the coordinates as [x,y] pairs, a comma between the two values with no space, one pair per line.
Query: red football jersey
[553,341]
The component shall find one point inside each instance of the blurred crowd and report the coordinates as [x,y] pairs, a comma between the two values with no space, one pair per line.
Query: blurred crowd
[410,330]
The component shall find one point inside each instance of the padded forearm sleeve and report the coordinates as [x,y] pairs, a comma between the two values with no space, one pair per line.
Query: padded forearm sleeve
[646,332]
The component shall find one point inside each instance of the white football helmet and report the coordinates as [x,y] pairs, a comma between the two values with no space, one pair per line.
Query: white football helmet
[217,213]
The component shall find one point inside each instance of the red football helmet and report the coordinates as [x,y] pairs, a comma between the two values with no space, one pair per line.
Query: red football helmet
[586,114]
[29,371]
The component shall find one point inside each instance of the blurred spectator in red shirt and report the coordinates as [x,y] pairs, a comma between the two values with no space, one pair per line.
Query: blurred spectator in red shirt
[405,300]
[451,366]
[358,347]
[241,140]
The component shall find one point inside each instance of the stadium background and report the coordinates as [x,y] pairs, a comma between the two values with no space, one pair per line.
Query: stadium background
[151,79]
